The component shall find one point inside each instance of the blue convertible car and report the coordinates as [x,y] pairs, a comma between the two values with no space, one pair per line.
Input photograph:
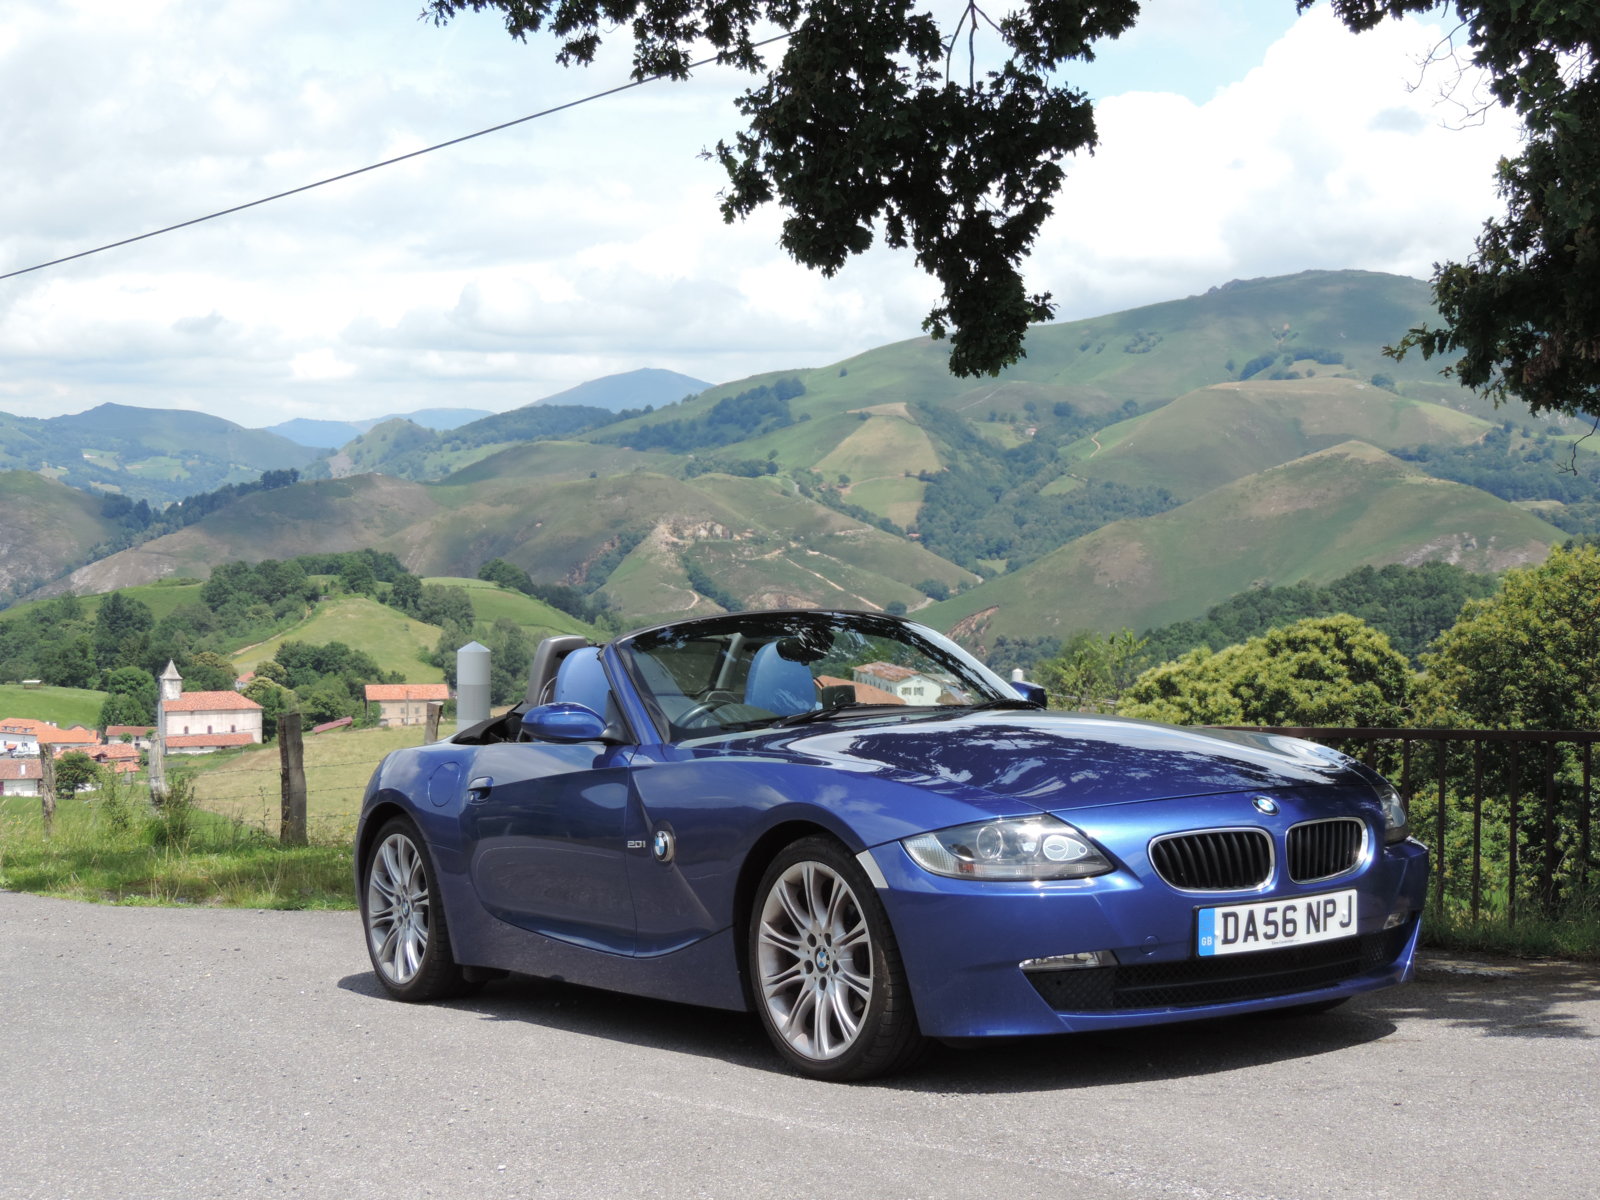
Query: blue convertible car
[844,822]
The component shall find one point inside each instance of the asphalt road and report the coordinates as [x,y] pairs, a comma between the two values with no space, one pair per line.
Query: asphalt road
[187,1053]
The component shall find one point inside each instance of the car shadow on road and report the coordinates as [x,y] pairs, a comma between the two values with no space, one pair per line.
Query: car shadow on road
[1024,1064]
[1510,1003]
[1508,999]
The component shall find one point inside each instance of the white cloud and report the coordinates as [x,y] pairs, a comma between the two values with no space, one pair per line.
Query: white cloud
[518,264]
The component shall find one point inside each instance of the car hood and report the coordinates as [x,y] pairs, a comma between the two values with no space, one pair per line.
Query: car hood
[1056,761]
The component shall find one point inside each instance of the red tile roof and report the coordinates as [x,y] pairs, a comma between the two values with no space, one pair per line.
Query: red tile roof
[48,733]
[116,750]
[338,724]
[407,691]
[210,739]
[137,731]
[20,768]
[210,702]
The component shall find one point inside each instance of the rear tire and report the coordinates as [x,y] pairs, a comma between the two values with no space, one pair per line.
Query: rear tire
[408,939]
[825,970]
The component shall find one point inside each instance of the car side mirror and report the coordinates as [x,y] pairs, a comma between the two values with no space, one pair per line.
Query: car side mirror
[564,722]
[1033,692]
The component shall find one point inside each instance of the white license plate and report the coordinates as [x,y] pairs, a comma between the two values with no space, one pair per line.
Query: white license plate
[1273,924]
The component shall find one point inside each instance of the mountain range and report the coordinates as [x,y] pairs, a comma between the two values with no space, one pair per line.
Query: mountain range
[1133,469]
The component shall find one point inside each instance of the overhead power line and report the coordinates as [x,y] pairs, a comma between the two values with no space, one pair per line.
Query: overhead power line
[388,162]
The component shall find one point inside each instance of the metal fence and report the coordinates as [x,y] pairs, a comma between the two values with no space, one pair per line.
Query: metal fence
[1531,788]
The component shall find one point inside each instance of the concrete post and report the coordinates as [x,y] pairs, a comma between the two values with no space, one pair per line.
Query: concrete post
[472,685]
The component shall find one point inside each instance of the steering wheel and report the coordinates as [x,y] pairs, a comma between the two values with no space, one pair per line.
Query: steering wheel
[712,700]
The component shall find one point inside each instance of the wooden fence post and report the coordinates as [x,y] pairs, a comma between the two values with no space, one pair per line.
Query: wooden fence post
[47,788]
[430,726]
[291,753]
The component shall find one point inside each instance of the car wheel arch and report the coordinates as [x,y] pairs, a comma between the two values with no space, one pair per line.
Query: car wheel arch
[762,851]
[373,820]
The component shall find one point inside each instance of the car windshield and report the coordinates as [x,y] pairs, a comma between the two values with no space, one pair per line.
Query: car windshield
[755,670]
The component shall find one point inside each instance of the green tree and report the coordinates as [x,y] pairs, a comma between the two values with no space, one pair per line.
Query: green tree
[507,575]
[69,662]
[510,653]
[358,578]
[274,699]
[1092,672]
[208,671]
[273,670]
[74,770]
[1321,671]
[1527,657]
[131,697]
[406,594]
[120,626]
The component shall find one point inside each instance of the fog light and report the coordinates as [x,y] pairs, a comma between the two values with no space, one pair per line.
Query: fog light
[1070,962]
[1397,918]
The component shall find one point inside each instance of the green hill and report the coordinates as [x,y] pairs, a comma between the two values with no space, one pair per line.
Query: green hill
[1313,519]
[874,482]
[145,453]
[46,528]
[1229,430]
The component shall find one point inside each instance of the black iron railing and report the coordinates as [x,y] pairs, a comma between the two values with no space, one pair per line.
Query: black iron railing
[1538,782]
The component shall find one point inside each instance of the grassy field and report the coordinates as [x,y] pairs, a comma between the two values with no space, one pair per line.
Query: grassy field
[395,641]
[60,706]
[245,785]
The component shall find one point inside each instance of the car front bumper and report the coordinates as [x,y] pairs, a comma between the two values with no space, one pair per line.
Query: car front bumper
[964,942]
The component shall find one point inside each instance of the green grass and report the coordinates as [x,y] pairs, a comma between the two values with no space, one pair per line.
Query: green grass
[1575,935]
[65,707]
[208,859]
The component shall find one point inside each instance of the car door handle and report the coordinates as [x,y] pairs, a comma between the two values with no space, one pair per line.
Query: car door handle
[478,789]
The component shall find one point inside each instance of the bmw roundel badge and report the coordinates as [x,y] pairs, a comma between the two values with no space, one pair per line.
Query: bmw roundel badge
[663,846]
[1264,804]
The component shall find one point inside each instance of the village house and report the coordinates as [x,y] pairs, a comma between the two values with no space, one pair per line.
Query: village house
[20,776]
[122,757]
[137,736]
[907,684]
[405,703]
[21,737]
[866,693]
[200,722]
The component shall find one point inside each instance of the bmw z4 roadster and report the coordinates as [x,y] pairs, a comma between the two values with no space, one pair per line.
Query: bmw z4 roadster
[847,824]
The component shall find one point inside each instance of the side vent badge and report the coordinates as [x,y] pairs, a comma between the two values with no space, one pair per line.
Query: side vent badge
[664,846]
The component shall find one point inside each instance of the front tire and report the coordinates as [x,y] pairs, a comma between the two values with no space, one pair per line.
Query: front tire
[408,939]
[825,968]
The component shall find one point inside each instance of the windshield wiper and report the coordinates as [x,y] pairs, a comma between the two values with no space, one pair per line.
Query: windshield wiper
[1003,702]
[821,714]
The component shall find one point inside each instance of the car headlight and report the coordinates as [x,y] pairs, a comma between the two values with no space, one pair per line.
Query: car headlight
[1396,825]
[1016,848]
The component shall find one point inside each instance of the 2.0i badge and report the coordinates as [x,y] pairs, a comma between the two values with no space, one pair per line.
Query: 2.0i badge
[664,846]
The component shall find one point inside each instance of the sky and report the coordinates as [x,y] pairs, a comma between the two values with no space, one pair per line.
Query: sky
[1237,140]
